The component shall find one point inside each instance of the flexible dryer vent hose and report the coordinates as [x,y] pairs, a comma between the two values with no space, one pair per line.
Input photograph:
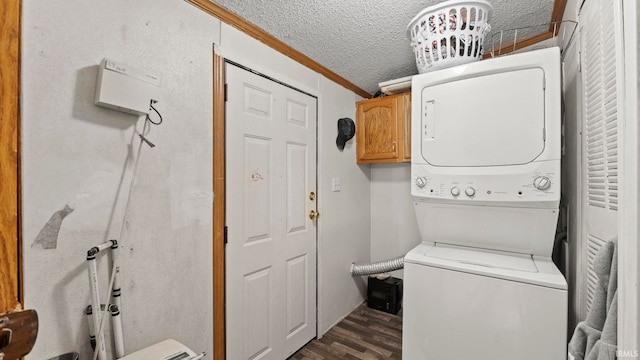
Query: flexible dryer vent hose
[377,267]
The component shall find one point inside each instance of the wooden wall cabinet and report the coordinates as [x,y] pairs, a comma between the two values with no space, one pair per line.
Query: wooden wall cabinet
[383,129]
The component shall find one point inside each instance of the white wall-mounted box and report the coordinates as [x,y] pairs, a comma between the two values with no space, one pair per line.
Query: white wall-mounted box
[125,88]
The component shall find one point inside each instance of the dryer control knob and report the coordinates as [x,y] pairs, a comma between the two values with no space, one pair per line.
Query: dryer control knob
[421,181]
[455,191]
[542,183]
[470,191]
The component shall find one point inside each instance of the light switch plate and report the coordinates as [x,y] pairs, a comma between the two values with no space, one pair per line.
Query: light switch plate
[335,184]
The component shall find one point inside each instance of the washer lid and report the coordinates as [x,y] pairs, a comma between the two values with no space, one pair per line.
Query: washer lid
[503,265]
[481,257]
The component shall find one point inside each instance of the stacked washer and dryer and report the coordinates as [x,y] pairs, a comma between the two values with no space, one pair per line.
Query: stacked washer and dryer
[486,144]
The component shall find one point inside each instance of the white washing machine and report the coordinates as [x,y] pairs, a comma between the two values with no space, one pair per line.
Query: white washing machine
[486,143]
[482,305]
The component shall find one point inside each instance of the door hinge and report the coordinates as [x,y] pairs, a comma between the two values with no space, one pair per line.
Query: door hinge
[225,92]
[226,234]
[580,62]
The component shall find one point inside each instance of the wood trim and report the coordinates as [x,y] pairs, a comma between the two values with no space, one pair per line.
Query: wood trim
[10,265]
[219,328]
[557,14]
[520,44]
[255,32]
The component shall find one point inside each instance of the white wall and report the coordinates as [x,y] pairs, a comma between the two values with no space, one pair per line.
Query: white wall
[344,223]
[86,157]
[394,228]
[83,156]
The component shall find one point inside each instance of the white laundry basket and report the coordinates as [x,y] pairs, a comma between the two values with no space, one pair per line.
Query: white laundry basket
[449,33]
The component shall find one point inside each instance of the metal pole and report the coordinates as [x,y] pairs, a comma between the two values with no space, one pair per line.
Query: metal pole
[95,302]
[116,291]
[92,335]
[118,336]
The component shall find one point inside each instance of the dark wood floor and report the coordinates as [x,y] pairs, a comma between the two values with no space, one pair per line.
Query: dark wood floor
[364,334]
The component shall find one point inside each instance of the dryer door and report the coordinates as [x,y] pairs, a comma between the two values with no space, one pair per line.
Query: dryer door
[490,120]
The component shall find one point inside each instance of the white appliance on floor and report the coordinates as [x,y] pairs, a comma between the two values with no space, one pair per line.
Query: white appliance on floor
[486,142]
[165,350]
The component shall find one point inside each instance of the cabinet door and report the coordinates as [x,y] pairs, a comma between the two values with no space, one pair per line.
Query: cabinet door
[406,131]
[377,128]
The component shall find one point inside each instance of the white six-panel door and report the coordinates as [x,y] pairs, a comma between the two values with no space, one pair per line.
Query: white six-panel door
[271,249]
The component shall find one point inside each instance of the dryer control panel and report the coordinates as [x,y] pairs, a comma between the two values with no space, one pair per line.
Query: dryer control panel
[489,133]
[541,186]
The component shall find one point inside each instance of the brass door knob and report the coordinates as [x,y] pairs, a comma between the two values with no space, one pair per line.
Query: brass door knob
[313,214]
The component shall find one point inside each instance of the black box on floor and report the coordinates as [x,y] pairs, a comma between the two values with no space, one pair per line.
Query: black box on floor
[385,295]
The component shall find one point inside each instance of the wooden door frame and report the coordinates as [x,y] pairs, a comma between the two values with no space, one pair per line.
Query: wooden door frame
[219,327]
[10,244]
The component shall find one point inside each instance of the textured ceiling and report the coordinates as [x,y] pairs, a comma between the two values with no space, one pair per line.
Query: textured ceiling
[364,41]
